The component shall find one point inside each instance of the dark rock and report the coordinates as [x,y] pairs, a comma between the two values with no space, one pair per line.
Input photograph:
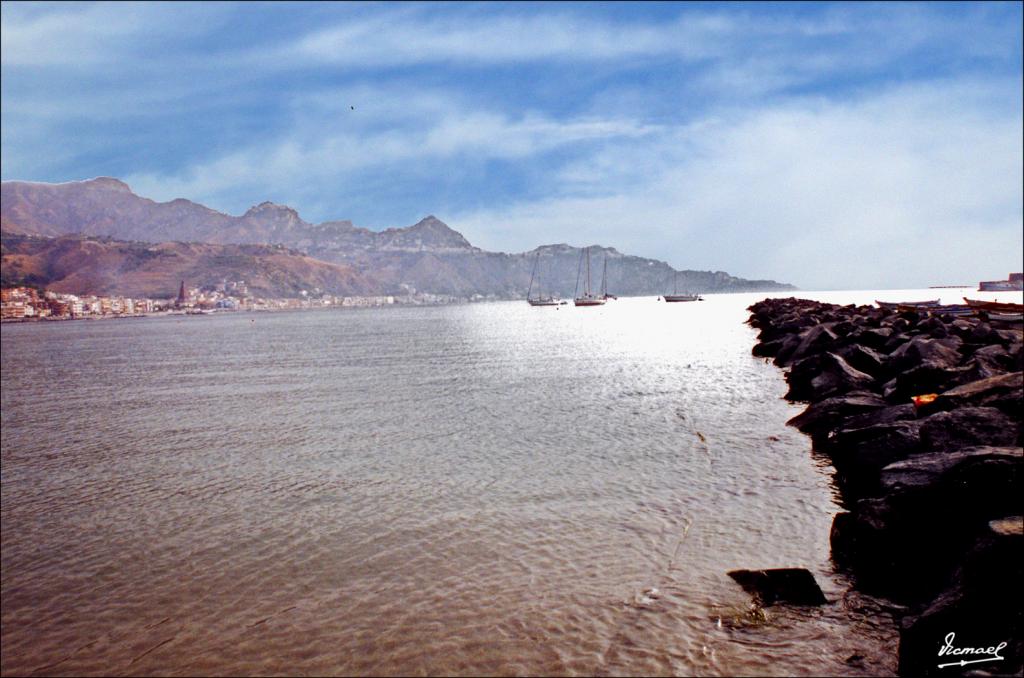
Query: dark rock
[925,378]
[814,340]
[995,357]
[887,415]
[1004,392]
[967,426]
[783,356]
[979,608]
[865,359]
[838,376]
[816,378]
[1007,337]
[933,326]
[962,327]
[859,455]
[874,338]
[920,350]
[785,585]
[905,542]
[995,467]
[927,487]
[889,390]
[828,414]
[895,341]
[1016,353]
[983,334]
[767,349]
[843,539]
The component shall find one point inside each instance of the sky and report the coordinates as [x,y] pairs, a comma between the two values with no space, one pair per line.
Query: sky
[833,146]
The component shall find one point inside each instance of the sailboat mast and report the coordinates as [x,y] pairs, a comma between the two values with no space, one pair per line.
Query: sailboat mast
[533,274]
[579,267]
[604,277]
[587,289]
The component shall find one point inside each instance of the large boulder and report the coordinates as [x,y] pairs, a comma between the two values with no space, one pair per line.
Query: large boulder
[824,416]
[819,377]
[967,426]
[982,481]
[860,454]
[994,358]
[886,415]
[904,542]
[784,353]
[767,349]
[874,338]
[815,340]
[941,353]
[962,327]
[928,377]
[865,359]
[1004,392]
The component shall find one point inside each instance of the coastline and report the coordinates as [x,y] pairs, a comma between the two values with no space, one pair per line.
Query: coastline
[931,489]
[225,311]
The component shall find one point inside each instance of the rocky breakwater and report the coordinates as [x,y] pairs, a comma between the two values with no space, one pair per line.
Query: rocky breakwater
[921,416]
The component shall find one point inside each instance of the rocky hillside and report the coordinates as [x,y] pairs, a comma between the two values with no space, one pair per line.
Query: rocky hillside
[87,265]
[425,257]
[108,207]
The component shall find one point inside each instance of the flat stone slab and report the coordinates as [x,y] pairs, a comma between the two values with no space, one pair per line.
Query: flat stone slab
[794,585]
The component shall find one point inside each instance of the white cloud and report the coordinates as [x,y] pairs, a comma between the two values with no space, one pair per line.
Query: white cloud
[904,188]
[85,35]
[403,39]
[321,150]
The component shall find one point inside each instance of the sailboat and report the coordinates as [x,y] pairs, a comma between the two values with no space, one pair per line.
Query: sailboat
[675,296]
[604,281]
[541,300]
[588,299]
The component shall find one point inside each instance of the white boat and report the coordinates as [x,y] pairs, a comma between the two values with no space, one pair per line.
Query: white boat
[675,296]
[541,300]
[1010,318]
[604,281]
[588,298]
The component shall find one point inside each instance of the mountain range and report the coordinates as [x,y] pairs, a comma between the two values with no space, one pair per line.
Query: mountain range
[79,264]
[38,221]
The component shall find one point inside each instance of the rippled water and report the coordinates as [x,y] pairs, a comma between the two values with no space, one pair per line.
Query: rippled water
[477,489]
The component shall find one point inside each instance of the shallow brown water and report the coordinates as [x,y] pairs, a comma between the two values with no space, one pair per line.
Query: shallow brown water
[480,489]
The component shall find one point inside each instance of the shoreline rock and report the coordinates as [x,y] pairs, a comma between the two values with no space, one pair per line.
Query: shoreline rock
[794,585]
[933,489]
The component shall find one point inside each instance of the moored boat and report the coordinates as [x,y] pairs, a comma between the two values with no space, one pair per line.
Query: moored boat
[943,309]
[913,305]
[1008,318]
[675,296]
[604,281]
[994,306]
[541,300]
[588,298]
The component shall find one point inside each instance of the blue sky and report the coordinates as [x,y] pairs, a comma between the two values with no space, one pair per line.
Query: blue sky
[829,145]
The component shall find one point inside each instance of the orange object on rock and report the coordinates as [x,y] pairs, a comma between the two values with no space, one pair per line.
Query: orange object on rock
[920,400]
